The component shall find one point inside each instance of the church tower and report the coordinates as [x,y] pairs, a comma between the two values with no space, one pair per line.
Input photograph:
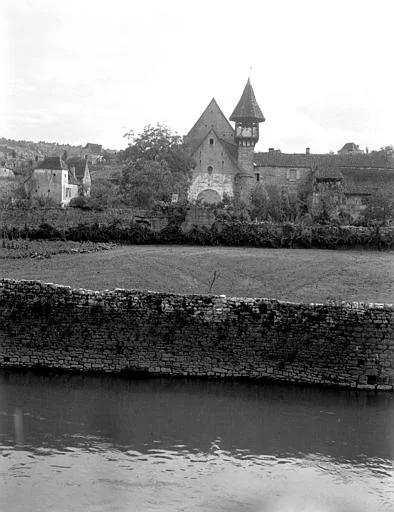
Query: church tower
[247,116]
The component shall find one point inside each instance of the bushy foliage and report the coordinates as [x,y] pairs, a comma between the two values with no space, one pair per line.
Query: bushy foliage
[157,166]
[146,182]
[105,193]
[271,204]
[227,233]
[379,210]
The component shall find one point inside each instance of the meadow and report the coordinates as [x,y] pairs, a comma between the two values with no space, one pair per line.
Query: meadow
[306,275]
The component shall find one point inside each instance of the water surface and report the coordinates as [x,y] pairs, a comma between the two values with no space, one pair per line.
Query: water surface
[97,443]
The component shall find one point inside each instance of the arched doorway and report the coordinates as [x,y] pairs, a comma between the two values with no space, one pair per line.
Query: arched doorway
[209,196]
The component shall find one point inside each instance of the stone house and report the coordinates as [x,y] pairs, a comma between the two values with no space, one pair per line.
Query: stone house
[225,163]
[93,152]
[51,179]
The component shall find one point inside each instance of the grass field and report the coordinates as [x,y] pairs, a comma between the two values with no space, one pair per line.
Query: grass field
[310,275]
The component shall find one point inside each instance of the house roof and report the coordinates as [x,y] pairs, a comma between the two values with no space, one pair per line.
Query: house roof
[327,173]
[231,149]
[278,159]
[368,181]
[349,146]
[247,107]
[376,159]
[79,165]
[94,149]
[52,162]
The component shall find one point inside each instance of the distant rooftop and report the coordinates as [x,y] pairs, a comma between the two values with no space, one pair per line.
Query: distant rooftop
[52,162]
[375,159]
[94,149]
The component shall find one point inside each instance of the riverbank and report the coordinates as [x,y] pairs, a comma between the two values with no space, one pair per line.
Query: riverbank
[342,344]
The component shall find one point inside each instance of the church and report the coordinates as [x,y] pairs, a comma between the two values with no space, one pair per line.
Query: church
[226,164]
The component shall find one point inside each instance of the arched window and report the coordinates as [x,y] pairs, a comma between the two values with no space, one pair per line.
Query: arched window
[210,169]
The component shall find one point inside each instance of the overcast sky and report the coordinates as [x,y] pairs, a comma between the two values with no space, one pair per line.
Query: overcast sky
[80,71]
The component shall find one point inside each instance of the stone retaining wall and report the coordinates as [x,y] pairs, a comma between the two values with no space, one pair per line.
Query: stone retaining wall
[63,218]
[53,326]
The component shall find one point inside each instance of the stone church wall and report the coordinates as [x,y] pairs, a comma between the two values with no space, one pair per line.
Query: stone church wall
[53,326]
[211,154]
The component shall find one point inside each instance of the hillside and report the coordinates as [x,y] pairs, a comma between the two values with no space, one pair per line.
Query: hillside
[29,149]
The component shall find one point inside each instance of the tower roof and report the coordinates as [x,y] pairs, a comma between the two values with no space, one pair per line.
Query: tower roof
[247,107]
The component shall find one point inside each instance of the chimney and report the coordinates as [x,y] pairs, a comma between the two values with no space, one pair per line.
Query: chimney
[271,150]
[308,151]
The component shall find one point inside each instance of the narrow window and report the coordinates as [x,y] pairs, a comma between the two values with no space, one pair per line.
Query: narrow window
[211,142]
[257,174]
[210,169]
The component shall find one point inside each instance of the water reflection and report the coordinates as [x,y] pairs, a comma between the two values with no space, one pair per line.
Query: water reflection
[160,444]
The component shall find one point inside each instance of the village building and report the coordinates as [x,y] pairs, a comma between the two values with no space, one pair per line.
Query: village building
[51,179]
[8,181]
[93,152]
[5,171]
[226,164]
[79,169]
[350,148]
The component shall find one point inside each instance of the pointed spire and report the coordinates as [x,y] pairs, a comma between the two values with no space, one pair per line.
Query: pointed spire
[247,107]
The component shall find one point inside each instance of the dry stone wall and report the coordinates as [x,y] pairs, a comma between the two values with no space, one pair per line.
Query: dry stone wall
[53,326]
[63,218]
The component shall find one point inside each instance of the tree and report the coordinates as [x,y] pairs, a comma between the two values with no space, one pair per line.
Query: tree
[146,182]
[259,202]
[156,150]
[155,142]
[379,209]
[105,194]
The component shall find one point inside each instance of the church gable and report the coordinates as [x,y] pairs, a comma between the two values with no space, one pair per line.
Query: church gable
[211,118]
[217,153]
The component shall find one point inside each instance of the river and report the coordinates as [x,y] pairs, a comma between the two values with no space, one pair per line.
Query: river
[100,443]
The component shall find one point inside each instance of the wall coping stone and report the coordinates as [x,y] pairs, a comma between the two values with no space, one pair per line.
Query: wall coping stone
[218,298]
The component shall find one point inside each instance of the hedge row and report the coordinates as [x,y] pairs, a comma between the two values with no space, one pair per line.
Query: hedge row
[234,233]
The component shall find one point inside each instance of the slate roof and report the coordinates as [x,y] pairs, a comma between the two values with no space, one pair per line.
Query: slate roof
[247,107]
[52,162]
[368,181]
[231,149]
[79,164]
[377,159]
[324,173]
